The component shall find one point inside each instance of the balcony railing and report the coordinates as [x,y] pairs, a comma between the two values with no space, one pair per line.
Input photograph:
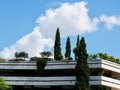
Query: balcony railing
[41,81]
[60,81]
[102,80]
[61,65]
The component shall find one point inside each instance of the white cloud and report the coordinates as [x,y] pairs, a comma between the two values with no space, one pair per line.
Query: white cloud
[32,43]
[72,19]
[110,21]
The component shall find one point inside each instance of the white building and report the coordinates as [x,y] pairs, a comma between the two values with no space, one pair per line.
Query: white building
[24,75]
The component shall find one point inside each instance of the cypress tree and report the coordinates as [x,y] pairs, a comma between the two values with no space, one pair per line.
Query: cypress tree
[82,70]
[68,48]
[78,41]
[57,48]
[75,50]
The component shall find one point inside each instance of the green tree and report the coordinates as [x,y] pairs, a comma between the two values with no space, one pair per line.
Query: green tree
[3,85]
[41,63]
[16,55]
[68,49]
[93,56]
[103,55]
[75,50]
[21,55]
[82,70]
[57,48]
[45,54]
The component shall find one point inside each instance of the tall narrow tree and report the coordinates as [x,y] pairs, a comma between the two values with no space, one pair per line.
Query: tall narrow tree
[57,48]
[75,50]
[82,70]
[78,41]
[68,49]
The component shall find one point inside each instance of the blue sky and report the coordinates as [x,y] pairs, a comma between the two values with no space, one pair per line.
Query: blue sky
[28,25]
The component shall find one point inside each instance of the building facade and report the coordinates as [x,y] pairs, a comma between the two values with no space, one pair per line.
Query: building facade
[58,75]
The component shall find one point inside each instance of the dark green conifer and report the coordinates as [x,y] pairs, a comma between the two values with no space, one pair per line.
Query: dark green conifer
[75,50]
[68,49]
[82,70]
[57,48]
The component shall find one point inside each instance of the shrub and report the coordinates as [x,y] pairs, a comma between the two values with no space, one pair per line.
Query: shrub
[41,63]
[2,60]
[98,72]
[104,56]
[16,60]
[34,58]
[3,85]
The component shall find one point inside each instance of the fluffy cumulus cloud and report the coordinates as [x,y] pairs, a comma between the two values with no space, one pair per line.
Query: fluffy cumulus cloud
[72,19]
[110,21]
[32,43]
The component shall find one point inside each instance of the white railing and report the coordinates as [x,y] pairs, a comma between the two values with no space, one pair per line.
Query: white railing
[61,81]
[32,66]
[102,80]
[111,66]
[62,65]
[41,81]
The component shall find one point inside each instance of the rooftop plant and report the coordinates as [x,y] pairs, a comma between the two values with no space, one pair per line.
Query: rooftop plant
[104,56]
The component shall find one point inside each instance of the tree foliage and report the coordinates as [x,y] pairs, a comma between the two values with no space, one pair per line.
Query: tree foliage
[82,70]
[57,48]
[45,54]
[75,50]
[104,56]
[34,58]
[3,85]
[98,72]
[68,49]
[41,63]
[21,55]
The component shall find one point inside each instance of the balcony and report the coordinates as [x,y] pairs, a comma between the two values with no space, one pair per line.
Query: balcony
[102,80]
[41,81]
[61,81]
[61,65]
